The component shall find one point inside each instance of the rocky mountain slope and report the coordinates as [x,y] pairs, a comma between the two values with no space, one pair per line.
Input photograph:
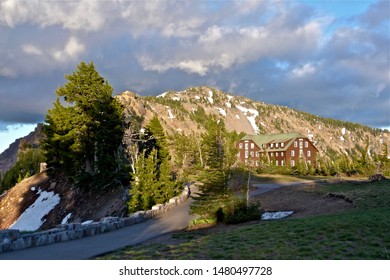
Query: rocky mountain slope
[186,111]
[9,157]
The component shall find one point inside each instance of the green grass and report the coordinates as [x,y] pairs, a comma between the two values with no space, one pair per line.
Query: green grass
[364,195]
[363,233]
[278,178]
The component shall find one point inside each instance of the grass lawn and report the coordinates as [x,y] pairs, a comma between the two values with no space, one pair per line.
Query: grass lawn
[363,233]
[277,178]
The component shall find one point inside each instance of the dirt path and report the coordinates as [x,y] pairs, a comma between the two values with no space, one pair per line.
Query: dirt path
[301,197]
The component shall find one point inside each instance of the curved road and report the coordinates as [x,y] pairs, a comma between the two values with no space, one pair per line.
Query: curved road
[88,247]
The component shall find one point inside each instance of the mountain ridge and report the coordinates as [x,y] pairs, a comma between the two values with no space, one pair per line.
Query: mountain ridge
[184,112]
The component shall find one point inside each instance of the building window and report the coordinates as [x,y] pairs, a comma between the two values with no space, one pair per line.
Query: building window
[257,154]
[295,144]
[309,162]
[282,163]
[282,154]
[308,154]
[292,162]
[271,154]
[252,154]
[292,153]
[300,144]
[300,153]
[282,145]
[272,145]
[246,146]
[246,154]
[277,163]
[306,144]
[257,163]
[277,154]
[252,146]
[240,145]
[264,146]
[276,145]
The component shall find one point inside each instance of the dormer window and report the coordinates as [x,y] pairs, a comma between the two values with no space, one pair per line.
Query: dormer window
[276,145]
[282,145]
[271,145]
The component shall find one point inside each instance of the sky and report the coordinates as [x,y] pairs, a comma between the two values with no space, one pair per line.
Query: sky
[330,58]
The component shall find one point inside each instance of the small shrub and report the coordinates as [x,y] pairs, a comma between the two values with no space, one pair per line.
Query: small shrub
[238,212]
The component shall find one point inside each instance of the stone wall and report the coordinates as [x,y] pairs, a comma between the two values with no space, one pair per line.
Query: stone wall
[11,239]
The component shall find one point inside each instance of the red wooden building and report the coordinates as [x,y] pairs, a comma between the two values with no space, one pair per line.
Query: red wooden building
[280,149]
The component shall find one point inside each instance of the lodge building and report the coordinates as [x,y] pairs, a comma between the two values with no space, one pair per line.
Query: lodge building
[280,149]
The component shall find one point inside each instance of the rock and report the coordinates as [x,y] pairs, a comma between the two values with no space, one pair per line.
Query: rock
[377,177]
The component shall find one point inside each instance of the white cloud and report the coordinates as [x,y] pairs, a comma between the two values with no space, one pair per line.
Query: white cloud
[7,72]
[31,49]
[73,15]
[222,47]
[73,49]
[304,70]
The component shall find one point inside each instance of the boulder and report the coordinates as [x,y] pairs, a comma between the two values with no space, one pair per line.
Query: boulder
[377,177]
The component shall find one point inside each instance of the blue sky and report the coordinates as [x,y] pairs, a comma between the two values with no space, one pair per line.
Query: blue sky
[330,58]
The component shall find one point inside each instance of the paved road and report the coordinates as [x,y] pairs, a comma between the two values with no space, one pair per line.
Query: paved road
[88,247]
[85,248]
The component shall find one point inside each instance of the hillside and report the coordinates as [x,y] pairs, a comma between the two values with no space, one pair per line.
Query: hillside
[186,111]
[9,157]
[41,202]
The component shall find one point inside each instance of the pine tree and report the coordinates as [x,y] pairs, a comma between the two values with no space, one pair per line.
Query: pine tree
[152,177]
[214,191]
[85,128]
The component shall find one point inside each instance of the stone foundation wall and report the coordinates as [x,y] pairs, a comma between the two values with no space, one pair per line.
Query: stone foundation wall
[11,239]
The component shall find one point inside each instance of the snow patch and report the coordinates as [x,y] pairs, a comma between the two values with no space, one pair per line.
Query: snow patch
[246,110]
[310,135]
[237,116]
[343,131]
[162,94]
[251,117]
[197,97]
[33,189]
[66,219]
[229,97]
[171,116]
[87,222]
[210,97]
[276,215]
[176,98]
[222,111]
[342,138]
[32,218]
[252,121]
[228,105]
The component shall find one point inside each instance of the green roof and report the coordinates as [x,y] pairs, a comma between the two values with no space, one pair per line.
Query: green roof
[261,139]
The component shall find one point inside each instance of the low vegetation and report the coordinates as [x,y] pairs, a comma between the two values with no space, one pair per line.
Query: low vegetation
[358,234]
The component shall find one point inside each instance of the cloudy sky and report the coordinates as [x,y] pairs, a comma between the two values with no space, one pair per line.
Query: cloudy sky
[330,58]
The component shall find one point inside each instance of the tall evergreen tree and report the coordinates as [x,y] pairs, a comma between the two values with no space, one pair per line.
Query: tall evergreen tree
[214,190]
[85,127]
[152,179]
